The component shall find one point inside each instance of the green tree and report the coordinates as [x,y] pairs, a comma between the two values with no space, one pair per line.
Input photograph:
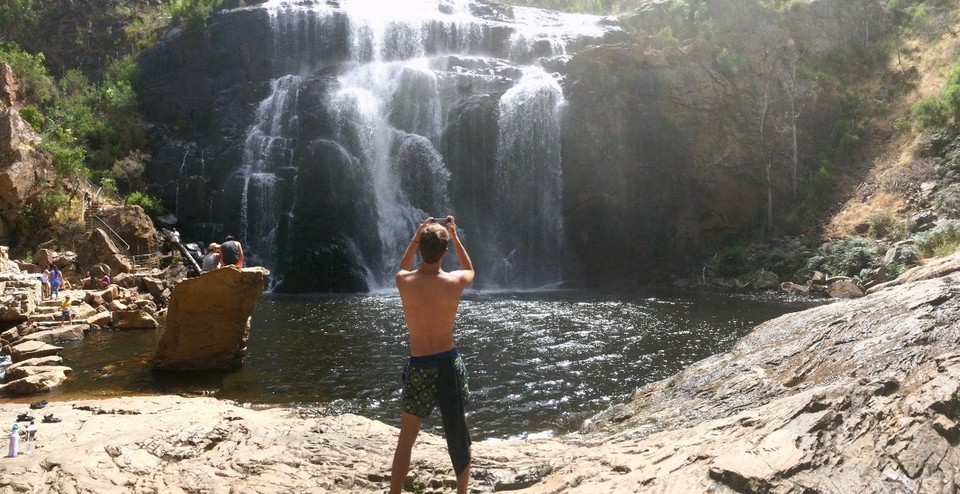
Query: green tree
[36,82]
[15,14]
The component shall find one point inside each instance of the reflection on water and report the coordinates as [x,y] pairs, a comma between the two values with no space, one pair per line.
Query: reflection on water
[537,362]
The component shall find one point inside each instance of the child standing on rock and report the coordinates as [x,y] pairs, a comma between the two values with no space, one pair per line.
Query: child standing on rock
[66,315]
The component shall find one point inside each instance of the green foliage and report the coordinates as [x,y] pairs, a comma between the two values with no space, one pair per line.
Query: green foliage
[786,257]
[941,240]
[947,201]
[847,257]
[41,210]
[728,63]
[36,83]
[94,126]
[128,171]
[902,125]
[847,134]
[15,13]
[944,109]
[33,116]
[149,204]
[582,6]
[885,224]
[192,14]
[729,261]
[786,260]
[54,200]
[666,35]
[821,183]
[68,155]
[109,186]
[951,94]
[918,14]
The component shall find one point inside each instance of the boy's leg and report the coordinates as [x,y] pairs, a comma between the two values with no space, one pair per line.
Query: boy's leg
[409,428]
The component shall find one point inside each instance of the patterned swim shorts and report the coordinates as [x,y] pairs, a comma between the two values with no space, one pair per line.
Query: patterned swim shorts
[420,382]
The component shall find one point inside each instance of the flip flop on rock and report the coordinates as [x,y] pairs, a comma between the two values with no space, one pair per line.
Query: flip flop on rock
[38,404]
[50,419]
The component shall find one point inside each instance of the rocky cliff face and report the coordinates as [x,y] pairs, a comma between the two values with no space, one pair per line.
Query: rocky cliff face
[653,140]
[662,147]
[24,169]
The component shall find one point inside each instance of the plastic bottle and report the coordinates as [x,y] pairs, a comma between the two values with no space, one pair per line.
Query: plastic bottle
[14,441]
[31,443]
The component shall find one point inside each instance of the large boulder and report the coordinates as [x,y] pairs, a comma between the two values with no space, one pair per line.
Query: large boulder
[58,334]
[133,319]
[6,265]
[99,251]
[135,227]
[844,288]
[9,87]
[23,371]
[41,382]
[208,320]
[19,296]
[32,349]
[49,360]
[24,170]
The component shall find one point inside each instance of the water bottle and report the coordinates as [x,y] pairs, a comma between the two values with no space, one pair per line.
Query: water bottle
[14,441]
[29,446]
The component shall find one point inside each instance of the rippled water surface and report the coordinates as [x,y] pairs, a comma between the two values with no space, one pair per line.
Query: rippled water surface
[538,362]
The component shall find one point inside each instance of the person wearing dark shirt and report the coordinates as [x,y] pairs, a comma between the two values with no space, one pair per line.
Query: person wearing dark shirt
[231,252]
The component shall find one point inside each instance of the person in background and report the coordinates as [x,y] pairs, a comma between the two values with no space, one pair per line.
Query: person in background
[66,314]
[56,277]
[45,284]
[231,252]
[86,283]
[211,260]
[105,282]
[435,375]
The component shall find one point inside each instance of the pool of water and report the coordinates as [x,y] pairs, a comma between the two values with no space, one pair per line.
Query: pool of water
[538,362]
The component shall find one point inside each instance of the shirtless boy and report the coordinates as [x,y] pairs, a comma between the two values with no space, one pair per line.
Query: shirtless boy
[435,375]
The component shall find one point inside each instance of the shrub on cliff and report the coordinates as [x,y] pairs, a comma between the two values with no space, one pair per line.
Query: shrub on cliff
[942,240]
[150,204]
[37,85]
[847,257]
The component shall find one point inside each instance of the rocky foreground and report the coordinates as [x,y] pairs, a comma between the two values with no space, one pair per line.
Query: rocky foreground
[857,396]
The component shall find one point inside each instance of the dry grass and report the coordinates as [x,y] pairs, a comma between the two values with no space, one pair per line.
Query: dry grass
[896,171]
[861,217]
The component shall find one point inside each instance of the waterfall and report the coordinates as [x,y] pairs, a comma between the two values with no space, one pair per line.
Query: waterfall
[529,180]
[268,146]
[396,98]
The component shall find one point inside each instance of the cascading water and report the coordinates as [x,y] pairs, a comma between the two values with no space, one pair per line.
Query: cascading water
[269,147]
[529,181]
[382,113]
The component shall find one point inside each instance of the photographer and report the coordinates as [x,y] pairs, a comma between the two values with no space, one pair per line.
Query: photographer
[435,374]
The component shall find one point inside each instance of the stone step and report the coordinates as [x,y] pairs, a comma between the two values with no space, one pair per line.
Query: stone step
[40,318]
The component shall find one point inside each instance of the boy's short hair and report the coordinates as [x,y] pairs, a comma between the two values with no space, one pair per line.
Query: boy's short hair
[433,242]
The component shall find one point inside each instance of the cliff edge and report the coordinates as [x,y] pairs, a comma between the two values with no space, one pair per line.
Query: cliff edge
[857,396]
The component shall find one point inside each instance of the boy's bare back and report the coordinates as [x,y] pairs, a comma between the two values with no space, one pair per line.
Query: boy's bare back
[430,302]
[429,294]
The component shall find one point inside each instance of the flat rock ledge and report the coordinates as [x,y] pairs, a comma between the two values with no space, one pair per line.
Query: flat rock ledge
[861,395]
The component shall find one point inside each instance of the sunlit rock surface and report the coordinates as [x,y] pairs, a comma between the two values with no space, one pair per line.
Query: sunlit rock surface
[208,320]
